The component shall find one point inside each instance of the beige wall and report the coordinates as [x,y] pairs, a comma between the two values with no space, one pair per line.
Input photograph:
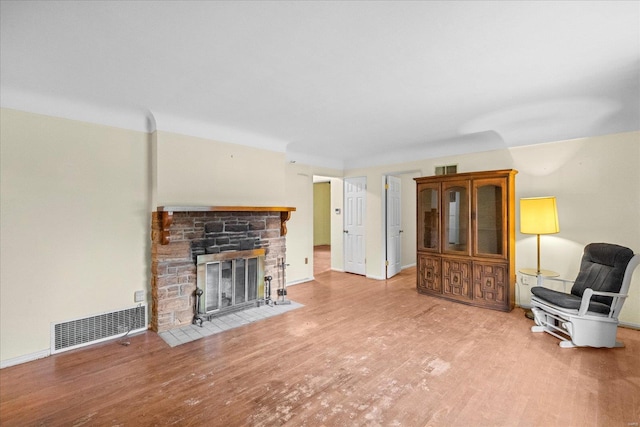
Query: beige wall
[321,213]
[76,201]
[299,193]
[596,181]
[409,218]
[196,171]
[337,224]
[74,223]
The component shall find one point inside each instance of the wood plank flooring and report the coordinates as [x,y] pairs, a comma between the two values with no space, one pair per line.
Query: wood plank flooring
[360,353]
[321,258]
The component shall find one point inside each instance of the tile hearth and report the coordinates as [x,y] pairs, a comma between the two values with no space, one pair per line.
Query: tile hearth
[188,333]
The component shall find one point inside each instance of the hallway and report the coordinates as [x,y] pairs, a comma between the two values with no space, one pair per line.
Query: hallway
[321,258]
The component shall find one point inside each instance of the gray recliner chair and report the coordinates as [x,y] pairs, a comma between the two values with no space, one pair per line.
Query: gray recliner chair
[588,316]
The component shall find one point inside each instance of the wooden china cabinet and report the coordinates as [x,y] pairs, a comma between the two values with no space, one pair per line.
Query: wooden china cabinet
[466,237]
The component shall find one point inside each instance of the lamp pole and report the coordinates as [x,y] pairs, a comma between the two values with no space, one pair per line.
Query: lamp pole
[538,254]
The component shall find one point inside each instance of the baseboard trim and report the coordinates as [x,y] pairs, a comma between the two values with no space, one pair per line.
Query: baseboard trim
[630,325]
[297,282]
[25,358]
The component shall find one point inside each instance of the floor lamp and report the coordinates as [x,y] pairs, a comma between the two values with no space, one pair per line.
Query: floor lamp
[539,215]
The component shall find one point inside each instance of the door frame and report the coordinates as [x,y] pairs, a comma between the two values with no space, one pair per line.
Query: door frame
[388,246]
[364,229]
[383,207]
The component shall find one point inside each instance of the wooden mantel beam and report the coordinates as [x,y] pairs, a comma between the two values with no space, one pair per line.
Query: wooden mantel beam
[166,215]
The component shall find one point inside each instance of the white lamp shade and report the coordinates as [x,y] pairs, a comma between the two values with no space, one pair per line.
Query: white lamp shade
[539,215]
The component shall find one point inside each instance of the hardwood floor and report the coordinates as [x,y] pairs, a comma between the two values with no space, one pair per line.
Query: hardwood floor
[360,353]
[321,259]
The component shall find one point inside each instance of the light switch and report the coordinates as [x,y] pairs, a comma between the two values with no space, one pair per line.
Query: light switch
[139,296]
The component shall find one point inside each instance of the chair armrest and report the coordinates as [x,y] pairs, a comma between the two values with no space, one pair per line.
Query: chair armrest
[564,282]
[558,279]
[588,293]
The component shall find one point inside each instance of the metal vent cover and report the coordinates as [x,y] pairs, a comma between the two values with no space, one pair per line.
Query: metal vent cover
[446,169]
[90,330]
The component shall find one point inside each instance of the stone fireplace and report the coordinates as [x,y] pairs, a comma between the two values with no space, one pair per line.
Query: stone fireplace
[180,235]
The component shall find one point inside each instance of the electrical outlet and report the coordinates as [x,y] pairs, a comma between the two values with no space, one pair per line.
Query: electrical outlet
[139,296]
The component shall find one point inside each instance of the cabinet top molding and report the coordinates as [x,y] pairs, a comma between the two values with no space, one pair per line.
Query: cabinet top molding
[466,175]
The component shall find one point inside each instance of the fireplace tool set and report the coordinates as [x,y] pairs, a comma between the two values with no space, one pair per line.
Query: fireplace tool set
[282,288]
[267,290]
[199,317]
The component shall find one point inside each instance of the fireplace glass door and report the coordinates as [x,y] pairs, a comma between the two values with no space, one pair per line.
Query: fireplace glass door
[230,283]
[213,287]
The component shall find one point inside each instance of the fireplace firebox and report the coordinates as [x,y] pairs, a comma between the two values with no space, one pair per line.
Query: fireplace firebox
[227,282]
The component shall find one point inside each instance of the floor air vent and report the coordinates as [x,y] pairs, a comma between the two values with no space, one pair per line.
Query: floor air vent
[90,330]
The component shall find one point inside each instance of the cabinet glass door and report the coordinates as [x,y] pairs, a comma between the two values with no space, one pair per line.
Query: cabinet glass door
[456,217]
[428,216]
[490,219]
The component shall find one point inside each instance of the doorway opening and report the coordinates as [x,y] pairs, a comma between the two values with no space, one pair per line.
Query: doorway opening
[355,202]
[399,221]
[321,224]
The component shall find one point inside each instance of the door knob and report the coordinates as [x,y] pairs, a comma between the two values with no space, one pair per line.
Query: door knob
[345,231]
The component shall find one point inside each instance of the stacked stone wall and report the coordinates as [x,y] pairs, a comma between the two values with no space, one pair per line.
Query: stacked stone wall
[173,266]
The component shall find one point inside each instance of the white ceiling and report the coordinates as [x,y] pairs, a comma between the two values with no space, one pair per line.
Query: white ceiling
[338,84]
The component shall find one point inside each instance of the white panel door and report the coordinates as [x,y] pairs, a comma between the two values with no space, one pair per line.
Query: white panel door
[355,191]
[394,225]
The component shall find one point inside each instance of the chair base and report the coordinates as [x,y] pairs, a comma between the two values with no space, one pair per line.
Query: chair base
[566,342]
[576,331]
